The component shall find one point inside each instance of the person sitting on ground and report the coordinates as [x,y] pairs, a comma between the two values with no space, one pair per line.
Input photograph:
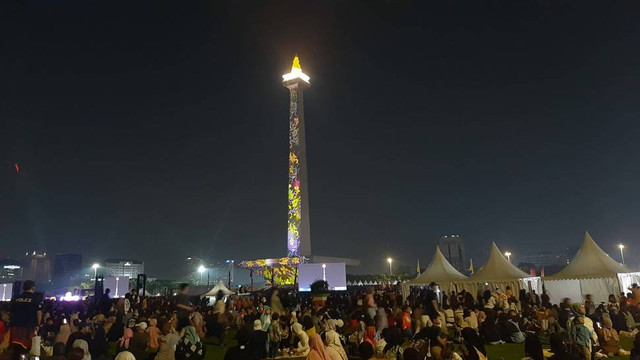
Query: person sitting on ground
[635,352]
[472,347]
[609,339]
[489,331]
[303,345]
[317,350]
[139,341]
[190,347]
[240,351]
[509,330]
[380,345]
[258,342]
[533,347]
[559,348]
[370,335]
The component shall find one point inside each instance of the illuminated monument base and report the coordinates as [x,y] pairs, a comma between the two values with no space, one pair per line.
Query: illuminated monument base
[284,270]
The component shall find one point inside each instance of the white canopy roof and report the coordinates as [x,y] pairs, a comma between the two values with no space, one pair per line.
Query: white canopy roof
[590,262]
[498,268]
[219,287]
[439,270]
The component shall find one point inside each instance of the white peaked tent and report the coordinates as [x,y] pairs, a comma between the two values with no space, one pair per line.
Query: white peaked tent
[498,273]
[219,287]
[591,271]
[439,271]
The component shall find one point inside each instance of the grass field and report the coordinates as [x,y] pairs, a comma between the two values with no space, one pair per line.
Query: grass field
[494,352]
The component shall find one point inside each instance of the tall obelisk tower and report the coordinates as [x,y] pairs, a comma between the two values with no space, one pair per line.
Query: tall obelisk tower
[298,236]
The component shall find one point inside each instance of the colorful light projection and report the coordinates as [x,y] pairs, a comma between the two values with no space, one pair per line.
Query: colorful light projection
[282,271]
[294,199]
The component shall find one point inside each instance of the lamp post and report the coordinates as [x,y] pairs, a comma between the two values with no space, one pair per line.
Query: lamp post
[621,247]
[201,270]
[95,270]
[117,281]
[508,255]
[390,261]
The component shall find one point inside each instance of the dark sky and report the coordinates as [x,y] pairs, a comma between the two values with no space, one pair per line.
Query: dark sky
[158,129]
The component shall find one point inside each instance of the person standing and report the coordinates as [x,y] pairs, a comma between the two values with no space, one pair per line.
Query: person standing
[184,306]
[25,316]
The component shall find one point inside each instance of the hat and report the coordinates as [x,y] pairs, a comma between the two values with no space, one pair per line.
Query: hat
[142,325]
[257,325]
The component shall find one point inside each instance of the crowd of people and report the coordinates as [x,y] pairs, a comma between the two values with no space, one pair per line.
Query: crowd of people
[359,323]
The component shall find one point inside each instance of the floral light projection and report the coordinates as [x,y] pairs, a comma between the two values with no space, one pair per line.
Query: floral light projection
[295,205]
[283,271]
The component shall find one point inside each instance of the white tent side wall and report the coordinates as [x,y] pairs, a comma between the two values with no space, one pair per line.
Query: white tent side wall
[563,288]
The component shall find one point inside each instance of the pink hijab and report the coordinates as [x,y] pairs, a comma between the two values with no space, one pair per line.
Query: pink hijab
[317,352]
[124,340]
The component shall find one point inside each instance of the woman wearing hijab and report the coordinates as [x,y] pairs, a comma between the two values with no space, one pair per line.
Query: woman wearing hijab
[317,350]
[333,353]
[99,346]
[303,344]
[190,347]
[370,335]
[123,343]
[332,339]
[63,334]
[609,339]
[125,355]
[82,344]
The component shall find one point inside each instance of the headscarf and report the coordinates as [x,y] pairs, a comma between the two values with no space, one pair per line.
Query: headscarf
[331,325]
[124,340]
[82,344]
[333,341]
[370,335]
[577,309]
[317,352]
[63,334]
[609,332]
[125,355]
[191,335]
[297,328]
[257,324]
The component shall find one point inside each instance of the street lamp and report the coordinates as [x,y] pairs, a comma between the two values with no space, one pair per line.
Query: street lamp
[201,269]
[117,281]
[621,247]
[508,255]
[95,270]
[390,261]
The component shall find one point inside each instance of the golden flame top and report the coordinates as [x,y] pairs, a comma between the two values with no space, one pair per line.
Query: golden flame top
[296,64]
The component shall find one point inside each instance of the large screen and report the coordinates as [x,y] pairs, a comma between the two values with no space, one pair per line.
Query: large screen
[333,273]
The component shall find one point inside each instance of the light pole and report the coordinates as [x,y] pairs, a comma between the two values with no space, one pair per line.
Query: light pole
[95,270]
[201,269]
[117,281]
[621,247]
[390,261]
[508,255]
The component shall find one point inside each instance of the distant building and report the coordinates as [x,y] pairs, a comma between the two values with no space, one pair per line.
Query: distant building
[37,267]
[10,270]
[123,267]
[452,247]
[545,258]
[66,266]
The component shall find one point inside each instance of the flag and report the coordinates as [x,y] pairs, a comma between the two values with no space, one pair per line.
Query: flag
[471,266]
[542,272]
[418,267]
[532,271]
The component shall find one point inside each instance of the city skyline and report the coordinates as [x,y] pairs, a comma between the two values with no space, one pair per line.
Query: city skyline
[161,133]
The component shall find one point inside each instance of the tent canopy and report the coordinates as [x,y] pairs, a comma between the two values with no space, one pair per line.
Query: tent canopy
[590,262]
[498,268]
[439,270]
[219,287]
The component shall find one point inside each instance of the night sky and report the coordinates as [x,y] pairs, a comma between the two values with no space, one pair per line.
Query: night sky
[159,129]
